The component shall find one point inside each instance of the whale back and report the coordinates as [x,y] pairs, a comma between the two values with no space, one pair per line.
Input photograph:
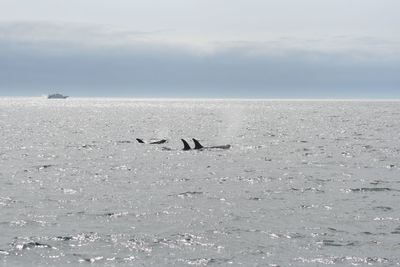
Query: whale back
[158,142]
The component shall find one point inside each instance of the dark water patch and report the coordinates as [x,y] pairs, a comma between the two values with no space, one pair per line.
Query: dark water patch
[396,231]
[295,235]
[373,234]
[333,243]
[367,233]
[372,189]
[336,230]
[43,167]
[382,208]
[376,182]
[124,142]
[320,180]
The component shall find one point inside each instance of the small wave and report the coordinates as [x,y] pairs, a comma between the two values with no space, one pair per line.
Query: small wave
[139,245]
[396,230]
[189,194]
[114,214]
[333,243]
[4,252]
[372,189]
[336,230]
[87,146]
[6,201]
[376,182]
[345,260]
[383,208]
[285,235]
[253,180]
[63,238]
[312,189]
[187,239]
[207,261]
[124,142]
[88,259]
[32,245]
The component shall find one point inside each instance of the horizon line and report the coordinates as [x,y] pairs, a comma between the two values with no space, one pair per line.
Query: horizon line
[206,98]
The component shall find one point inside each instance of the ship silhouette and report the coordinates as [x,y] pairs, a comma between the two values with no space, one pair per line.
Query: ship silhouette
[56,96]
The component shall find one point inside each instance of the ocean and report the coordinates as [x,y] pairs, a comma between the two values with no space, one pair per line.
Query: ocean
[304,183]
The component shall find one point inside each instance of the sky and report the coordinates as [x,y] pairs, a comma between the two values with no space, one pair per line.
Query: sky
[201,48]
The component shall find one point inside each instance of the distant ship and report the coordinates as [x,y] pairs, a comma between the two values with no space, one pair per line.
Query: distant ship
[57,96]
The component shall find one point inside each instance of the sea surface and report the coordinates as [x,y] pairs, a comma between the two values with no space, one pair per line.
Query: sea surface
[305,183]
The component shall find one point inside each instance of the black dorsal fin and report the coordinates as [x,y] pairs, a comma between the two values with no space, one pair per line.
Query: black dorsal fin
[197,144]
[140,140]
[185,145]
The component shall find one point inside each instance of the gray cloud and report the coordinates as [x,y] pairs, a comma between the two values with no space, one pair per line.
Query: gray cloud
[152,68]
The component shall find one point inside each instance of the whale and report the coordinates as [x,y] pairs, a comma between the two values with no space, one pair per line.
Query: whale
[159,142]
[162,141]
[198,146]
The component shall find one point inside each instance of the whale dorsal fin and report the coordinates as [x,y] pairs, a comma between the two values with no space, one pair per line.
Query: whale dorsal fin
[185,145]
[197,144]
[140,140]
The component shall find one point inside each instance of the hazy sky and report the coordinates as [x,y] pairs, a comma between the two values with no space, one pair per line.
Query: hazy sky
[201,48]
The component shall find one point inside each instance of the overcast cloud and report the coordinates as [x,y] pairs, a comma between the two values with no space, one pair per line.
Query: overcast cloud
[228,50]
